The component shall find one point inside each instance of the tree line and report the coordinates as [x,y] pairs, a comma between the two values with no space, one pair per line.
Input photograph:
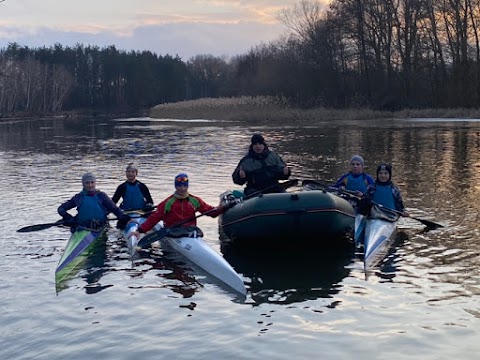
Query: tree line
[382,54]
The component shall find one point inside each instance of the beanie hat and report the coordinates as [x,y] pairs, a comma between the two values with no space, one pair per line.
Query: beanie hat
[357,158]
[88,177]
[385,167]
[258,139]
[132,166]
[181,179]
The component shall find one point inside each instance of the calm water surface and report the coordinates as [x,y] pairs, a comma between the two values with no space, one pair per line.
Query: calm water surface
[422,302]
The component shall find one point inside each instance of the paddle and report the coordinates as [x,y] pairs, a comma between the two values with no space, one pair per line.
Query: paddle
[316,185]
[160,234]
[283,185]
[429,224]
[142,211]
[39,227]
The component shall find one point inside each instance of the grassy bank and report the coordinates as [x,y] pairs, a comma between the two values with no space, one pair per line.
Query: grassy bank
[273,110]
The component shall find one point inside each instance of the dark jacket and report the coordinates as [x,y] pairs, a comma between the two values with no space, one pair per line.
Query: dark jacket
[262,171]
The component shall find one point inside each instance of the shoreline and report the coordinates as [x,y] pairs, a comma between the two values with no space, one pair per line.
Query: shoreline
[272,110]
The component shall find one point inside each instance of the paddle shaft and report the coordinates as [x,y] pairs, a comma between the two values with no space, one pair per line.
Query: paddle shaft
[428,223]
[160,234]
[425,222]
[39,227]
[284,185]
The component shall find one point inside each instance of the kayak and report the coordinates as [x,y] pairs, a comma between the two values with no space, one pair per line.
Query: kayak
[188,242]
[133,225]
[359,233]
[82,244]
[378,235]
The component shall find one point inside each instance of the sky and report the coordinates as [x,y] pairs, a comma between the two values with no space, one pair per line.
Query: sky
[175,27]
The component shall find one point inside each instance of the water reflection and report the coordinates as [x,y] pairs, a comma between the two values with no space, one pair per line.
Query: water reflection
[290,277]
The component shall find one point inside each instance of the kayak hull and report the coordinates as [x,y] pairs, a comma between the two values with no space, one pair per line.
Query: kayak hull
[82,244]
[379,235]
[202,255]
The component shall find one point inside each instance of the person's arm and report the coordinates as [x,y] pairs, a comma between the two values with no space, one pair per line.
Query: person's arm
[397,197]
[146,193]
[109,205]
[236,176]
[341,181]
[153,219]
[67,205]
[119,193]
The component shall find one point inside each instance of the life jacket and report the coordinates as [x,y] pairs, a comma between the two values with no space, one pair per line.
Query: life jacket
[90,209]
[192,200]
[133,198]
[356,183]
[384,195]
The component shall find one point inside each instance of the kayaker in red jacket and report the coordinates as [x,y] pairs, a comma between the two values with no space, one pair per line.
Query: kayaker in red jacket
[179,206]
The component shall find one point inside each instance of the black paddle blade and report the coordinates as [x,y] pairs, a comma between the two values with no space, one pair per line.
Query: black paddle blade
[40,226]
[429,224]
[152,237]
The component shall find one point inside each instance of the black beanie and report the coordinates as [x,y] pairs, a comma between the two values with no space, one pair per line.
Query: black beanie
[258,139]
[385,167]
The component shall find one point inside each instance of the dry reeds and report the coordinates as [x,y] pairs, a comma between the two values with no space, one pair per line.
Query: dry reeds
[266,109]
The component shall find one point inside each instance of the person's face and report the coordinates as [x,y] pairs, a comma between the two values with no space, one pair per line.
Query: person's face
[181,189]
[89,185]
[131,175]
[356,168]
[258,148]
[383,176]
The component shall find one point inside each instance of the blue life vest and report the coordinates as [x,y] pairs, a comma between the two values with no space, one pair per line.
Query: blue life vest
[383,195]
[356,183]
[133,198]
[91,209]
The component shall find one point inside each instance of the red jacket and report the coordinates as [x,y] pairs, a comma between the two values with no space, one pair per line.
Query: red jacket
[173,210]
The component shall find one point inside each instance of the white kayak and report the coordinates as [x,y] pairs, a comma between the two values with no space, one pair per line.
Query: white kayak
[198,252]
[378,236]
[359,234]
[132,226]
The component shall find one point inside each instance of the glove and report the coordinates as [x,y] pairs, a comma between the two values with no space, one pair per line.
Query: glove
[122,222]
[69,220]
[148,208]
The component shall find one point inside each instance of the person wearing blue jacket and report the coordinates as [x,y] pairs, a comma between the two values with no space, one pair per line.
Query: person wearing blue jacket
[92,206]
[383,192]
[356,179]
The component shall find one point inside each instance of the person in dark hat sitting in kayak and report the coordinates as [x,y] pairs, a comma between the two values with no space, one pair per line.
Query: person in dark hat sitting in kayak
[92,205]
[135,194]
[383,192]
[178,207]
[260,169]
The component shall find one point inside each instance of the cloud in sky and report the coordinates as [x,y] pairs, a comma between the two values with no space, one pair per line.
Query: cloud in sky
[175,27]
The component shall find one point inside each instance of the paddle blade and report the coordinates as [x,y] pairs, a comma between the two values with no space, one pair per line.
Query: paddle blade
[429,224]
[40,226]
[152,237]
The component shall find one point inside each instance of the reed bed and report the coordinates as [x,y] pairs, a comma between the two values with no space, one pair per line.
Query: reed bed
[264,109]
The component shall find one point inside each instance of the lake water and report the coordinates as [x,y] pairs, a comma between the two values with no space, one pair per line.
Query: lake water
[421,302]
